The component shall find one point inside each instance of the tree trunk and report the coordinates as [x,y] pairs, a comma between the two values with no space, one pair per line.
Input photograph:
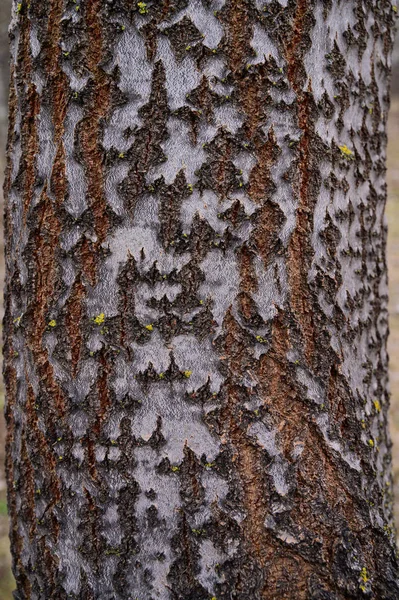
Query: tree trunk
[196,300]
[4,55]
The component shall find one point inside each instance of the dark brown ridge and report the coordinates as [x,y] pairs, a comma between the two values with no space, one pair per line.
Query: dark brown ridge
[44,239]
[57,92]
[30,97]
[300,246]
[90,130]
[74,314]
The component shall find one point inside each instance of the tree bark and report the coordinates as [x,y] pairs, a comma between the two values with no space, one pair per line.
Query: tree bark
[5,9]
[196,300]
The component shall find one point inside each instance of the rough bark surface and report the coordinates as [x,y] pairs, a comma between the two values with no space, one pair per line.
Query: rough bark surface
[196,300]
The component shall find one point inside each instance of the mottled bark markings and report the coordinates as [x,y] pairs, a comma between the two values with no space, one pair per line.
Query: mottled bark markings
[317,470]
[127,280]
[291,416]
[146,150]
[12,114]
[277,511]
[245,454]
[265,235]
[9,370]
[103,394]
[171,198]
[48,471]
[40,470]
[185,542]
[160,12]
[42,282]
[248,284]
[44,238]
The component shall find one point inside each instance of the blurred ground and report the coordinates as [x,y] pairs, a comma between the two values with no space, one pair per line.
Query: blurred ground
[6,580]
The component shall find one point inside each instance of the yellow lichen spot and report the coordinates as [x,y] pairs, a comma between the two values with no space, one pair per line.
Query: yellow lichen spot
[17,320]
[346,151]
[261,339]
[363,575]
[364,579]
[121,155]
[174,469]
[19,7]
[99,319]
[52,323]
[188,48]
[142,6]
[377,406]
[371,443]
[190,188]
[161,375]
[187,374]
[149,327]
[395,8]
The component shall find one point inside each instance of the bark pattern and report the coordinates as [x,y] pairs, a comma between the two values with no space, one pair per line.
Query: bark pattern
[196,300]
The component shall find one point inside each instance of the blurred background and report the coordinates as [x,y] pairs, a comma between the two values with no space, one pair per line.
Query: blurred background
[6,580]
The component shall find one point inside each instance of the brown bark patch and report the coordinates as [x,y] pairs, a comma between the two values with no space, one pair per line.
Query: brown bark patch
[270,219]
[57,94]
[30,98]
[237,15]
[44,242]
[261,184]
[73,319]
[90,130]
[300,249]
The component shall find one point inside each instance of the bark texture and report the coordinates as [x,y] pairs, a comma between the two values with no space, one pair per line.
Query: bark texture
[196,300]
